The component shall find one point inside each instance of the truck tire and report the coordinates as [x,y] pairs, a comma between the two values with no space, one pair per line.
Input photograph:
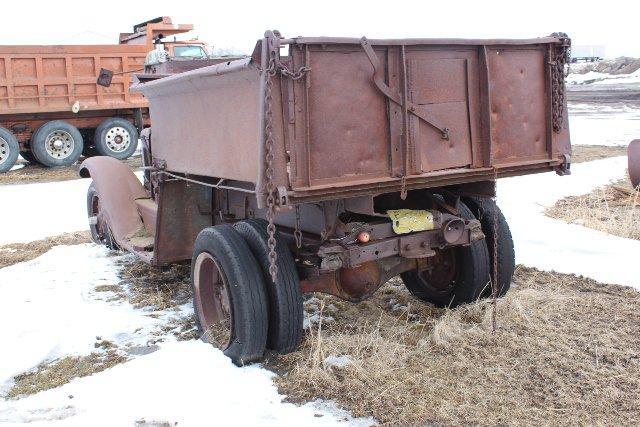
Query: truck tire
[285,297]
[459,275]
[484,209]
[229,295]
[29,157]
[57,143]
[9,150]
[100,231]
[116,138]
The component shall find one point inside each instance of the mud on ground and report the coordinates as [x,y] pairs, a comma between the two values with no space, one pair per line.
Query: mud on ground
[32,173]
[614,209]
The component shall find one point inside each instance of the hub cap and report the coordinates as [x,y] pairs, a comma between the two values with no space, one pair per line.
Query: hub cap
[59,144]
[4,151]
[212,302]
[441,276]
[118,139]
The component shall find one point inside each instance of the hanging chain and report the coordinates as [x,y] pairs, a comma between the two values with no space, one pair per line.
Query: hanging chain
[494,281]
[274,67]
[297,233]
[561,57]
[269,184]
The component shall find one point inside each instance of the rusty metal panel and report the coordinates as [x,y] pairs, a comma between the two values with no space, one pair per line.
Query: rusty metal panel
[183,211]
[518,103]
[205,122]
[442,87]
[348,126]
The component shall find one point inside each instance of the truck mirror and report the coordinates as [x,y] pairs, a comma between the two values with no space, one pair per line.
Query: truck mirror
[105,77]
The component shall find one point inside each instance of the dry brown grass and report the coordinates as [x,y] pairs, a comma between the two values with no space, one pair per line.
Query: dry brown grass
[157,289]
[37,173]
[62,371]
[567,351]
[14,253]
[614,209]
[587,153]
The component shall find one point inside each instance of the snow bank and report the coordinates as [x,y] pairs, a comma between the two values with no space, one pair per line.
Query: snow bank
[551,244]
[35,211]
[49,309]
[185,383]
[594,77]
[603,125]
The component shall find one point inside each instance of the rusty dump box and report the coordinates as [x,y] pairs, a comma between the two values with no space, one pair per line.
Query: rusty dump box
[353,117]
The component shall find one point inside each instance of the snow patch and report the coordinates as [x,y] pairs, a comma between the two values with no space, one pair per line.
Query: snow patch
[551,244]
[186,383]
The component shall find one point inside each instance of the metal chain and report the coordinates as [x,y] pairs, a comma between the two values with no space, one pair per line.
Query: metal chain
[275,66]
[297,233]
[561,57]
[494,281]
[269,184]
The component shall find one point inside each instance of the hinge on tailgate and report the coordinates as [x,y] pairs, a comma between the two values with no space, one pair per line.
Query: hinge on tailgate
[395,97]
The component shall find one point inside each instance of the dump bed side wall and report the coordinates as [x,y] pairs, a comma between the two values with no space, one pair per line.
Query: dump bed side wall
[45,79]
[206,123]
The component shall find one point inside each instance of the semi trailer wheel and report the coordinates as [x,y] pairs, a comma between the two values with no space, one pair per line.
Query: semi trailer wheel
[285,298]
[57,143]
[458,275]
[484,210]
[100,231]
[229,295]
[9,149]
[116,138]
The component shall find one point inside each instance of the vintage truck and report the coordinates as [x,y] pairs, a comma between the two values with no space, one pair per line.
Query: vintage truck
[51,109]
[332,165]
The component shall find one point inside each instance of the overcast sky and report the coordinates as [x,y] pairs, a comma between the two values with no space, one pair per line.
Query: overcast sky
[236,24]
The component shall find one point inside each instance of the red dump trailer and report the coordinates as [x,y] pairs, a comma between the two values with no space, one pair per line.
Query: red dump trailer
[51,109]
[332,169]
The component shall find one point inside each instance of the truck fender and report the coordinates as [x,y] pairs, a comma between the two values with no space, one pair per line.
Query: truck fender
[118,188]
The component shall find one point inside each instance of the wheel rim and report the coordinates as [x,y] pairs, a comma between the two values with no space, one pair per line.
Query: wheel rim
[212,301]
[95,222]
[118,139]
[4,150]
[59,144]
[441,276]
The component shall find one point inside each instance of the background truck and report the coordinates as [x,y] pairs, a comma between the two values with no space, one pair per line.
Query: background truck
[333,169]
[52,110]
[587,53]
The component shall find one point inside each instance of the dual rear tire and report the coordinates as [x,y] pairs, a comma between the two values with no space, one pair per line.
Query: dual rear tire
[238,308]
[462,275]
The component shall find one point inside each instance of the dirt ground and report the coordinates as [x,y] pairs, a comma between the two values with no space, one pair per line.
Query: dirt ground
[614,209]
[587,153]
[566,352]
[32,173]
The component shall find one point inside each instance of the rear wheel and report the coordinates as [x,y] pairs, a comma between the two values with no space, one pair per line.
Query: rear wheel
[484,210]
[116,138]
[100,231]
[29,157]
[285,298]
[458,275]
[57,143]
[229,296]
[9,149]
